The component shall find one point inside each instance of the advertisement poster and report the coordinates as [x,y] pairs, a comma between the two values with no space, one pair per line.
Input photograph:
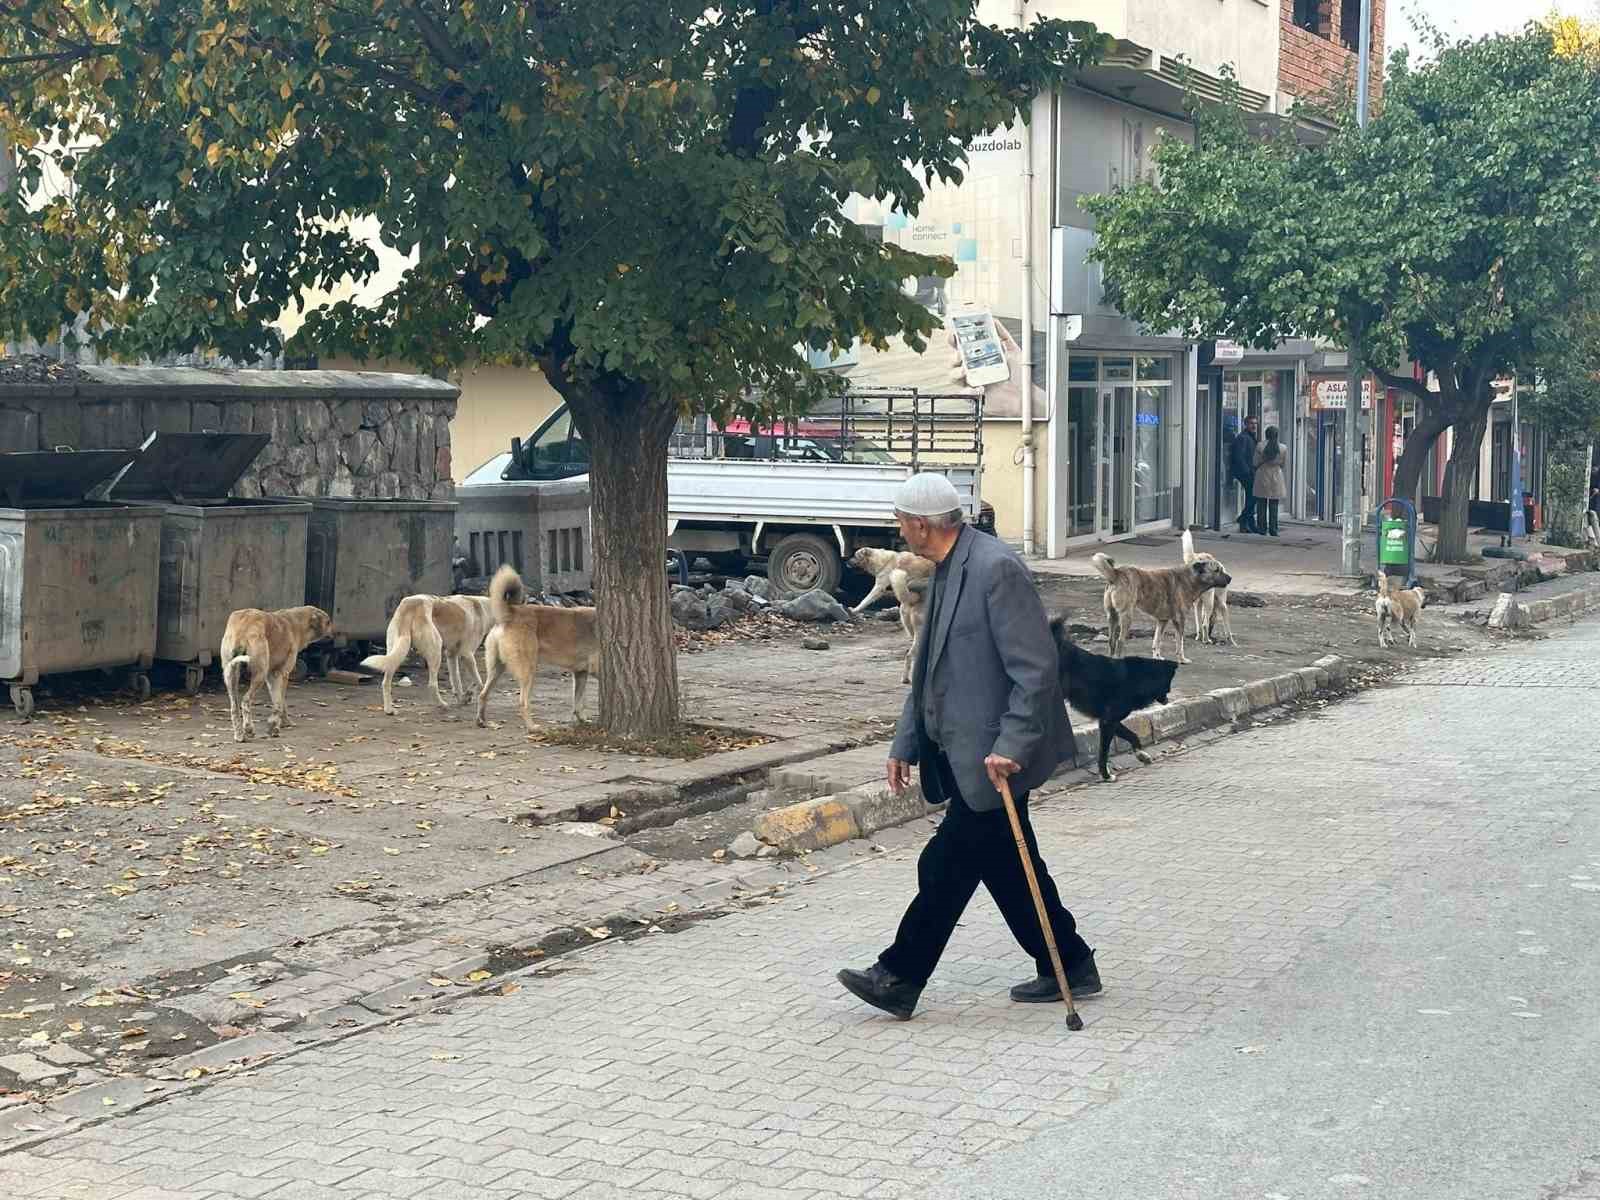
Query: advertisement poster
[978,225]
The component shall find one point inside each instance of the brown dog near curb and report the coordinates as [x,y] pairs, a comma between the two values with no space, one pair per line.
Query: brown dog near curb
[268,643]
[906,575]
[1166,594]
[565,637]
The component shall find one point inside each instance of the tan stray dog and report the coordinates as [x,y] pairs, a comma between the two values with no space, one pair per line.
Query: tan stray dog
[566,637]
[268,643]
[906,575]
[1398,608]
[1166,594]
[1212,603]
[447,628]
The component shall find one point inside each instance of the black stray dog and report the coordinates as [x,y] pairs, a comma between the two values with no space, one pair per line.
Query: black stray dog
[1109,689]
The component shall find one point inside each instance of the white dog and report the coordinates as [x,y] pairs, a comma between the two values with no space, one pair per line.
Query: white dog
[1212,603]
[1398,608]
[438,627]
[906,575]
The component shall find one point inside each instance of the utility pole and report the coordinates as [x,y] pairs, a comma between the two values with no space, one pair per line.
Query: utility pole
[1352,404]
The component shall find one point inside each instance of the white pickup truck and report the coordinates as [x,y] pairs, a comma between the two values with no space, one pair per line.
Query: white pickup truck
[801,496]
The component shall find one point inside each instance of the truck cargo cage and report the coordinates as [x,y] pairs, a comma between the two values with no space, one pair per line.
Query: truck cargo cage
[879,425]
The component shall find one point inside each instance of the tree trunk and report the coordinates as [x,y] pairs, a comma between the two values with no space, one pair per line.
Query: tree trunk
[1414,457]
[628,474]
[1459,475]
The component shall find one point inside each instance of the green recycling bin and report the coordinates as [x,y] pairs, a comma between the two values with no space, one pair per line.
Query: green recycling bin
[1394,544]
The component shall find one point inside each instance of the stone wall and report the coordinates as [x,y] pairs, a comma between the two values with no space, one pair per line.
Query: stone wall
[334,433]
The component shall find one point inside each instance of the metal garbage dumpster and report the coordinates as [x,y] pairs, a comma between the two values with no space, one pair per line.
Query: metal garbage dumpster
[540,527]
[78,578]
[364,556]
[217,554]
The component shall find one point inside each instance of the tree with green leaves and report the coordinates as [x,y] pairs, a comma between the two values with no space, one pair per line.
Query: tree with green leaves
[641,197]
[1449,232]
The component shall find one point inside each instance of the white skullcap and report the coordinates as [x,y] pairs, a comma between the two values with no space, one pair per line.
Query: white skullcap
[926,495]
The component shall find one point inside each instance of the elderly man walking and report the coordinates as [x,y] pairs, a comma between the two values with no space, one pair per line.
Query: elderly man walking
[985,705]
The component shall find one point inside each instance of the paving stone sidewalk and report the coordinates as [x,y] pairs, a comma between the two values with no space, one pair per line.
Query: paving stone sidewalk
[722,1060]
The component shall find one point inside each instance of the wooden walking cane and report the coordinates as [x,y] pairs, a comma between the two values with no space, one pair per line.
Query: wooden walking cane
[1074,1021]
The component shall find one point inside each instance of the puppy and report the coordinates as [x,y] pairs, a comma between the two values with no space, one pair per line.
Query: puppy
[565,636]
[450,628]
[1110,689]
[1166,594]
[268,643]
[905,574]
[1213,602]
[1398,607]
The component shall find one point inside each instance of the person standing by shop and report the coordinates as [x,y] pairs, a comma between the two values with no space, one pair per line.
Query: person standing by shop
[1242,469]
[985,705]
[1270,484]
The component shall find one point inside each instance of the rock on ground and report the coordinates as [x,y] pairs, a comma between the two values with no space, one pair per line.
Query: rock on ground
[815,605]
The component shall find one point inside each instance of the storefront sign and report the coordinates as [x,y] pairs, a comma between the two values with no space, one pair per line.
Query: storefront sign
[1333,393]
[1227,353]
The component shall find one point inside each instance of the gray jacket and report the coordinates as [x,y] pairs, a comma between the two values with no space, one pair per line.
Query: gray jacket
[988,663]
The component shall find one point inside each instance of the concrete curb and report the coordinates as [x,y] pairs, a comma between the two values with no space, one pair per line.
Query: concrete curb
[843,815]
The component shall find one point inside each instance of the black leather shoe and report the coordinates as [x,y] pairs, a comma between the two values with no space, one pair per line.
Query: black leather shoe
[882,990]
[1083,977]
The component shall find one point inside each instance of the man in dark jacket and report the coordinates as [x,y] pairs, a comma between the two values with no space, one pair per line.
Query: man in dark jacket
[1242,468]
[985,705]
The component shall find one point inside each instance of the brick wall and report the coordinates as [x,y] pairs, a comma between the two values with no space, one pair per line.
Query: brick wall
[1309,64]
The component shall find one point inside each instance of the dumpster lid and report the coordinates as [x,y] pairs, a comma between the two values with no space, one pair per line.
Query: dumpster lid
[35,477]
[190,466]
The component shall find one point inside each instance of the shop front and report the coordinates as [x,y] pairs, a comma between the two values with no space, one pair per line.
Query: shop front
[1327,397]
[1123,467]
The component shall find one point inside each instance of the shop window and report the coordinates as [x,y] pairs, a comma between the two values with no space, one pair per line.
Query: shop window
[1083,368]
[1157,368]
[1118,369]
[1350,25]
[1308,15]
[1158,446]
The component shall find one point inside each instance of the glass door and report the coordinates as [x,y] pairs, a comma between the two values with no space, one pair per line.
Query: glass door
[1116,448]
[1083,421]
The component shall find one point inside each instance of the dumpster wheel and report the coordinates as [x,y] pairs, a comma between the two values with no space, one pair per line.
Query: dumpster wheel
[140,683]
[193,677]
[22,700]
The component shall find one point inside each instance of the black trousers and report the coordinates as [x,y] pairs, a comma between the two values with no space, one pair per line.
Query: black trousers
[967,849]
[1267,517]
[1247,514]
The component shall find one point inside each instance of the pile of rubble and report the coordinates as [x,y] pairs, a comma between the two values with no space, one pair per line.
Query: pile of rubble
[705,608]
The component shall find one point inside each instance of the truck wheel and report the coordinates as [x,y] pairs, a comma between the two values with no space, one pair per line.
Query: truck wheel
[803,561]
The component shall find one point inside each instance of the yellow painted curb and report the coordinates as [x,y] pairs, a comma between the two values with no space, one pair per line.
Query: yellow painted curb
[809,825]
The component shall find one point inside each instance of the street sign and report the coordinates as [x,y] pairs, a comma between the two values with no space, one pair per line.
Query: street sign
[1332,393]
